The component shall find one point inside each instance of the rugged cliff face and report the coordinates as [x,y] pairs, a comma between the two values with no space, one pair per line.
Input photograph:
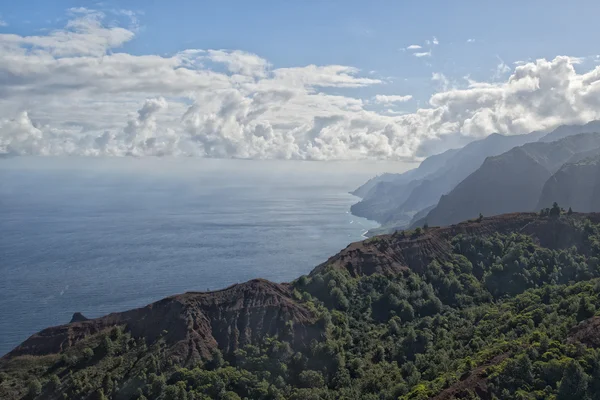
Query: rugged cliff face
[194,324]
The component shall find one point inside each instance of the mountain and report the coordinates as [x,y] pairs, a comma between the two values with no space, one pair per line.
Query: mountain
[395,202]
[500,308]
[363,190]
[510,182]
[564,131]
[576,185]
[467,160]
[383,198]
[426,167]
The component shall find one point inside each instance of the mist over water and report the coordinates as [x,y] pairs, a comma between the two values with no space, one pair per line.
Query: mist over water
[104,235]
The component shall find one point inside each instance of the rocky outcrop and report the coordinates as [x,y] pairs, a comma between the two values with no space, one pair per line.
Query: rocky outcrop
[78,317]
[587,332]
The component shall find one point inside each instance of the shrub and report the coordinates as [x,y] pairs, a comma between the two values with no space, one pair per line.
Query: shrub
[34,388]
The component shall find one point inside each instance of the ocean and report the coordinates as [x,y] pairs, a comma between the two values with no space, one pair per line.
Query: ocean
[98,235]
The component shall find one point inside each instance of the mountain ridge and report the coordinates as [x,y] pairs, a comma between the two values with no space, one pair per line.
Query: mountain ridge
[510,182]
[402,202]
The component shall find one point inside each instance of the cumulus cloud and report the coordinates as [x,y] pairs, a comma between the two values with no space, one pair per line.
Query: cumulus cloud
[71,92]
[384,99]
[414,47]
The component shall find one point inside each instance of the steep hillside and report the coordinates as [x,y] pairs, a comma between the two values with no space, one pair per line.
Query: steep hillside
[575,185]
[363,190]
[183,330]
[397,204]
[188,321]
[428,166]
[467,160]
[493,308]
[510,182]
[382,198]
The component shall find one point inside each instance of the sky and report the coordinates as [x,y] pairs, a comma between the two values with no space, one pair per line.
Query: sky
[305,80]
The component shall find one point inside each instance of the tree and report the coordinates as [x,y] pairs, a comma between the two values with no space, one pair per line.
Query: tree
[574,383]
[99,395]
[217,360]
[311,379]
[480,217]
[54,382]
[88,353]
[555,210]
[570,211]
[176,391]
[339,299]
[585,309]
[106,346]
[426,226]
[34,388]
[230,396]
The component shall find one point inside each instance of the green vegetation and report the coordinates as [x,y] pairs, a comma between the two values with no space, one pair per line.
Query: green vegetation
[497,310]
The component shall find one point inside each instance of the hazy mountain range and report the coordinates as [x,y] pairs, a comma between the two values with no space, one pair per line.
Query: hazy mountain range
[490,176]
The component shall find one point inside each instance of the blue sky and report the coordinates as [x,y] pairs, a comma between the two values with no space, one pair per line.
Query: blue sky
[367,35]
[461,42]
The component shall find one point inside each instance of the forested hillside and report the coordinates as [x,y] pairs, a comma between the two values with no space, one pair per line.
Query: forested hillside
[502,307]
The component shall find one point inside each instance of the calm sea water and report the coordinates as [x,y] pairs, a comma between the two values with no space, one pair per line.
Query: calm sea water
[104,235]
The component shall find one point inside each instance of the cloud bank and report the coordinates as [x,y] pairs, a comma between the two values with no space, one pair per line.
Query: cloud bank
[71,92]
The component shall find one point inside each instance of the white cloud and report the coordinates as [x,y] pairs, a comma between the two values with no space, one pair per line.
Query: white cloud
[423,54]
[72,92]
[240,62]
[470,40]
[434,41]
[323,76]
[501,69]
[441,79]
[428,43]
[384,99]
[83,35]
